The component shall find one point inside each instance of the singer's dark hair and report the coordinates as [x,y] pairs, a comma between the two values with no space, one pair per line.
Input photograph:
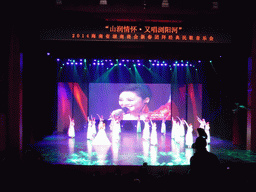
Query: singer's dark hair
[141,90]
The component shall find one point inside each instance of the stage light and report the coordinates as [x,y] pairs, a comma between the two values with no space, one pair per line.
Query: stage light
[153,64]
[48,54]
[76,63]
[150,61]
[162,64]
[165,64]
[157,64]
[199,61]
[210,61]
[186,65]
[58,59]
[81,63]
[120,64]
[63,64]
[111,63]
[123,60]
[190,65]
[134,65]
[124,65]
[106,60]
[94,60]
[94,63]
[174,64]
[182,65]
[72,63]
[127,60]
[67,63]
[138,60]
[178,64]
[139,64]
[181,61]
[98,63]
[154,60]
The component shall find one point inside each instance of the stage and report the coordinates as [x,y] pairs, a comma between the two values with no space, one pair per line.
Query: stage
[132,150]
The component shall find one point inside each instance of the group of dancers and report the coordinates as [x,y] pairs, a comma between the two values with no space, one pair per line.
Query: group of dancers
[177,132]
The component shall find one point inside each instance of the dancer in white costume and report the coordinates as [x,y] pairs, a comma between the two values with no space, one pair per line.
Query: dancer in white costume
[181,127]
[163,127]
[116,129]
[207,131]
[71,129]
[89,130]
[146,131]
[202,122]
[189,134]
[101,137]
[94,132]
[174,128]
[153,137]
[138,125]
[101,122]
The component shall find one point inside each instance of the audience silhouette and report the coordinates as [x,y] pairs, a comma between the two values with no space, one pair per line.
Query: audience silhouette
[204,165]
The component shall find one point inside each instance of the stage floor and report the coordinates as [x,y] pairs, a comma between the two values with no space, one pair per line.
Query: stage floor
[132,150]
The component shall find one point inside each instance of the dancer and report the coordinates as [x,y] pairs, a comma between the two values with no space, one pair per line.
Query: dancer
[116,129]
[89,130]
[202,122]
[71,129]
[153,137]
[174,128]
[146,132]
[94,132]
[207,131]
[101,121]
[189,134]
[138,125]
[181,127]
[163,126]
[101,137]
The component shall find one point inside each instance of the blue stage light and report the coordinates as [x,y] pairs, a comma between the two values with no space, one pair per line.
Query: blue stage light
[190,65]
[153,64]
[165,64]
[58,59]
[178,64]
[67,63]
[72,63]
[182,65]
[157,64]
[162,64]
[48,54]
[111,63]
[81,63]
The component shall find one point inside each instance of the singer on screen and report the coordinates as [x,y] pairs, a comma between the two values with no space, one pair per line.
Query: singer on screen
[134,100]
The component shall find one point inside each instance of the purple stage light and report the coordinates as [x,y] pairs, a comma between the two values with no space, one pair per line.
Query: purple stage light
[67,63]
[81,63]
[58,59]
[72,63]
[48,54]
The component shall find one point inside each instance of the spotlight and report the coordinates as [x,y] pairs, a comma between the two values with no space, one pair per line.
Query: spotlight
[72,63]
[174,64]
[165,64]
[186,65]
[58,59]
[81,60]
[48,54]
[157,64]
[153,64]
[139,64]
[102,63]
[182,65]
[111,63]
[199,61]
[81,63]
[120,64]
[76,63]
[178,64]
[67,63]
[162,64]
[94,63]
[190,65]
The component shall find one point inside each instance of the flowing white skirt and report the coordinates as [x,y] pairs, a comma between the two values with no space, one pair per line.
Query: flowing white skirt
[101,138]
[71,131]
